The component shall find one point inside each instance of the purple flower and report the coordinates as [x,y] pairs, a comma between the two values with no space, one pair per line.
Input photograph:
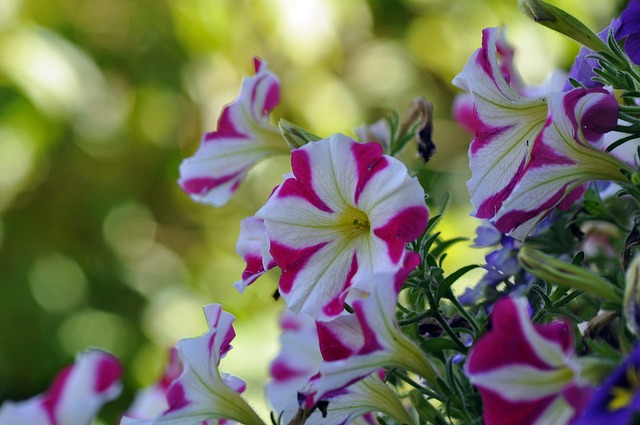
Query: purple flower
[627,26]
[617,400]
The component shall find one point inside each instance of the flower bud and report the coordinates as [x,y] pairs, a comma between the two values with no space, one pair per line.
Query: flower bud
[294,135]
[562,273]
[559,20]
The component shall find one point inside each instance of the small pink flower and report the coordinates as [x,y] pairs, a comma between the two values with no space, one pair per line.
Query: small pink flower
[75,397]
[346,212]
[244,136]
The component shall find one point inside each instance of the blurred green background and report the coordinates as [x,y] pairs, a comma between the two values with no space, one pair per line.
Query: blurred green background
[101,99]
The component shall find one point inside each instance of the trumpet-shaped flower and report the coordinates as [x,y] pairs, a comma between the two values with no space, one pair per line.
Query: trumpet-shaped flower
[299,361]
[506,124]
[201,394]
[347,211]
[244,136]
[525,372]
[531,154]
[75,396]
[353,346]
[564,157]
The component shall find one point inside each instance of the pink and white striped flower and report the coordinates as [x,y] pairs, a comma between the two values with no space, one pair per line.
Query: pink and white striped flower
[506,123]
[346,212]
[526,373]
[298,363]
[201,394]
[75,397]
[520,137]
[244,136]
[354,346]
[564,157]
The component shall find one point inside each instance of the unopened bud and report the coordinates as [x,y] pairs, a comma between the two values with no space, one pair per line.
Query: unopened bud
[560,272]
[294,135]
[559,20]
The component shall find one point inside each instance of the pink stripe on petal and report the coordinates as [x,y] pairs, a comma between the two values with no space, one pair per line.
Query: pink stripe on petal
[407,225]
[52,398]
[505,344]
[371,343]
[291,261]
[302,185]
[600,118]
[176,397]
[202,185]
[411,261]
[331,345]
[572,197]
[108,372]
[272,99]
[543,155]
[484,135]
[280,371]
[482,58]
[335,306]
[226,128]
[499,411]
[226,342]
[369,162]
[514,218]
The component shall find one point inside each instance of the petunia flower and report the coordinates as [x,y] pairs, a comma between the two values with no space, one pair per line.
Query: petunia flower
[354,346]
[506,125]
[150,402]
[526,373]
[299,361]
[617,400]
[243,137]
[565,156]
[531,154]
[502,263]
[201,394]
[75,396]
[253,247]
[347,211]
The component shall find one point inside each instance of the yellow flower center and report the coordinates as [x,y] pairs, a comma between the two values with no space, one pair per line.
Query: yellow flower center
[353,222]
[621,396]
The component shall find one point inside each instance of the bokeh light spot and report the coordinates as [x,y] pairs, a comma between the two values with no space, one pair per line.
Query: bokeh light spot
[57,283]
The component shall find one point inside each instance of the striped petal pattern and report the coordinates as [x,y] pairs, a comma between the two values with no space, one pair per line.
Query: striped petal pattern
[506,123]
[244,136]
[354,346]
[564,157]
[347,211]
[531,154]
[75,397]
[253,247]
[525,372]
[201,394]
